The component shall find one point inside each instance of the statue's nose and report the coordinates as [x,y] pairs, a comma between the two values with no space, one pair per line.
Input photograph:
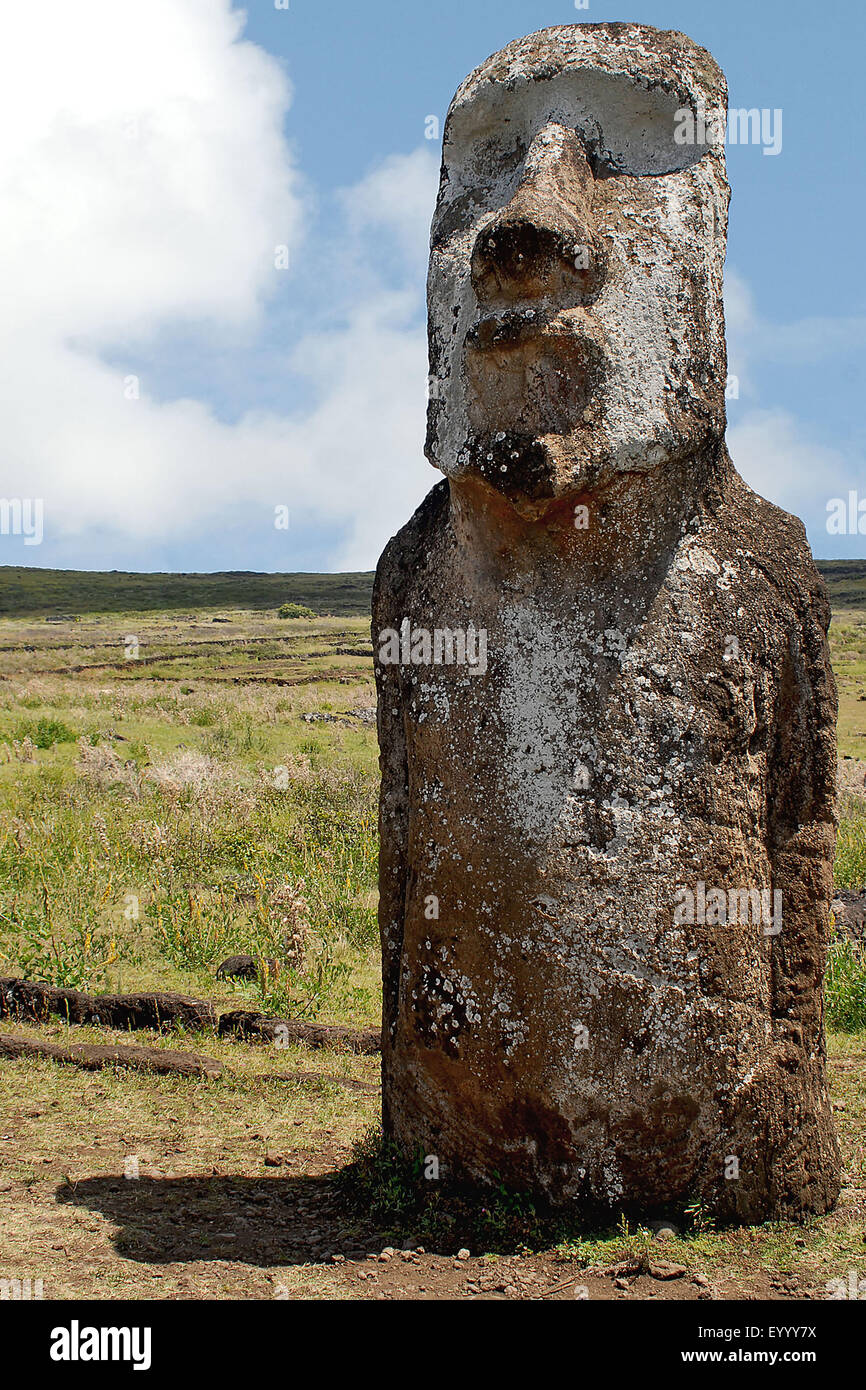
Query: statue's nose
[542,242]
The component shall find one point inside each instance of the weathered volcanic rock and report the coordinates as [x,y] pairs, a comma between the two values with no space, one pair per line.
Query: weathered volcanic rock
[93,1056]
[253,1026]
[33,999]
[244,967]
[606,708]
[849,912]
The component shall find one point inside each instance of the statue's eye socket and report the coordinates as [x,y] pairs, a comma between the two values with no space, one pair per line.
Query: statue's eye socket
[643,143]
[481,173]
[491,158]
[626,127]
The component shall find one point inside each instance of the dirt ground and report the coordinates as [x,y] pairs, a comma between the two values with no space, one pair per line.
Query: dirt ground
[234,1197]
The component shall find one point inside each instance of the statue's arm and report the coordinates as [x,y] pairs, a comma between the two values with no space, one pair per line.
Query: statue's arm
[394,790]
[801,812]
[401,590]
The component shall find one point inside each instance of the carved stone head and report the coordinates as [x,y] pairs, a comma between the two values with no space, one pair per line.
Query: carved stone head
[575,291]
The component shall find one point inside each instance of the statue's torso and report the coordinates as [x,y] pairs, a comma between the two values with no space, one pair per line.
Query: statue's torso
[614,753]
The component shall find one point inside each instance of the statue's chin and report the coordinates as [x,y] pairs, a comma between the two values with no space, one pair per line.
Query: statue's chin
[532,470]
[530,467]
[512,463]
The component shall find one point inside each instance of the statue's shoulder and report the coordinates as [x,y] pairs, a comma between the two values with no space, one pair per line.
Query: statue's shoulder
[413,546]
[774,542]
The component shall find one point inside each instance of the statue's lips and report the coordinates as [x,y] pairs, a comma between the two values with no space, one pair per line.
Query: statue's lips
[518,329]
[530,375]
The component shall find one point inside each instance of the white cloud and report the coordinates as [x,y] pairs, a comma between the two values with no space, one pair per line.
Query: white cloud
[148,185]
[756,341]
[144,169]
[358,456]
[774,453]
[775,449]
[398,198]
[740,312]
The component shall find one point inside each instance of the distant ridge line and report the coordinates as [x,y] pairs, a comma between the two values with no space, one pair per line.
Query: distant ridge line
[30,592]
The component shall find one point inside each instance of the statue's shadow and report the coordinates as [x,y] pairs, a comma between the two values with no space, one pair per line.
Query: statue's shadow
[258,1221]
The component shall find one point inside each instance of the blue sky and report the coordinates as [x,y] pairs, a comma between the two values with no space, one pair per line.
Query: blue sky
[168,386]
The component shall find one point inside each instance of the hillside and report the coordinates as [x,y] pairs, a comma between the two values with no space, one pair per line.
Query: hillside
[846,582]
[26,592]
[37,592]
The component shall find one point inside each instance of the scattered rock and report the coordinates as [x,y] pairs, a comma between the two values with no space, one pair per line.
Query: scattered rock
[852,776]
[849,912]
[663,1230]
[248,968]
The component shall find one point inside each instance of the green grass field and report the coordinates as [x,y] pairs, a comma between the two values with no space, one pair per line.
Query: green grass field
[170,798]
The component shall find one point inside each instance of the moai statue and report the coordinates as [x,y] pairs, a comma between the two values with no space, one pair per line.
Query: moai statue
[606,708]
